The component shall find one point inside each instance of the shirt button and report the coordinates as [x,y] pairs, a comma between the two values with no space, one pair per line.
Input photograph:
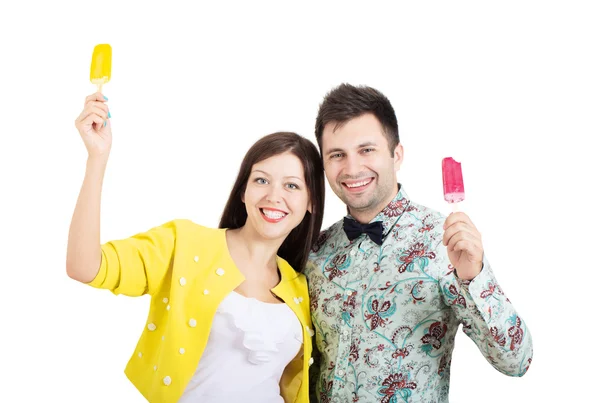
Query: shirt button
[220,272]
[168,307]
[196,258]
[192,322]
[182,350]
[167,380]
[340,373]
[165,300]
[310,331]
[182,281]
[155,367]
[151,327]
[353,252]
[345,333]
[140,354]
[348,292]
[206,292]
[310,362]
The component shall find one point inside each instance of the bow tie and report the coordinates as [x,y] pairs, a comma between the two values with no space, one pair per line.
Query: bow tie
[374,230]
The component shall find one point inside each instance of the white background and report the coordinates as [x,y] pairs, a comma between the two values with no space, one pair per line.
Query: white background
[511,89]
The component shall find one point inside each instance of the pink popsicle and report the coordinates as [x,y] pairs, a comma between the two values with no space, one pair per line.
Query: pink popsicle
[454,188]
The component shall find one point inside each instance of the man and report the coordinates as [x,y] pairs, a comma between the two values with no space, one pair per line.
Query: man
[391,282]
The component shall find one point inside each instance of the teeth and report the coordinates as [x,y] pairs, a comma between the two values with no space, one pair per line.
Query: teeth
[275,215]
[355,185]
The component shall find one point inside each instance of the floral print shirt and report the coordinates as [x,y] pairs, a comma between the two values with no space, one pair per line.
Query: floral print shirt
[385,316]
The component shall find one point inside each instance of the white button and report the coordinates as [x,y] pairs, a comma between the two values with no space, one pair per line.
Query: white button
[192,322]
[310,331]
[310,362]
[341,373]
[167,380]
[151,327]
[155,367]
[220,272]
[140,354]
[353,252]
[165,300]
[182,281]
[168,307]
[296,300]
[206,292]
[182,350]
[348,292]
[196,258]
[163,338]
[345,333]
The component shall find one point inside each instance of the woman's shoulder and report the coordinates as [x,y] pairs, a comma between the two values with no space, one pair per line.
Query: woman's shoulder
[182,229]
[290,275]
[186,225]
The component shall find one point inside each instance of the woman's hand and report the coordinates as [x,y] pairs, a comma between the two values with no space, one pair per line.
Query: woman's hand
[94,126]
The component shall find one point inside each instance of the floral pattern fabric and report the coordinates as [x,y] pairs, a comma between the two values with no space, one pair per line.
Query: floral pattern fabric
[386,316]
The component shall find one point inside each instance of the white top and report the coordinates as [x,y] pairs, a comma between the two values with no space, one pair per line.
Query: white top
[250,344]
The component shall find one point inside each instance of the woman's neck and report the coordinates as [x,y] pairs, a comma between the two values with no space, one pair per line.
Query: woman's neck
[255,249]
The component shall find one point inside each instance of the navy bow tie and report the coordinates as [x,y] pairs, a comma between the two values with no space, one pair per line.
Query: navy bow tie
[374,230]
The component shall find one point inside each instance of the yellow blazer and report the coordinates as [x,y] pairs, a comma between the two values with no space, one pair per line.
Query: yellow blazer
[188,271]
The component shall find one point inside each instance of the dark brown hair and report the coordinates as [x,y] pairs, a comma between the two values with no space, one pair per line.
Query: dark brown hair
[297,244]
[346,102]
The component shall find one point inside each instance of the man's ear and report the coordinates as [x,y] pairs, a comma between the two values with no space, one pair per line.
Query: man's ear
[398,156]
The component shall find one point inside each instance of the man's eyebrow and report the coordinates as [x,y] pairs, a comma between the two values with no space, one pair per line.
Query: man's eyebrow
[337,149]
[331,150]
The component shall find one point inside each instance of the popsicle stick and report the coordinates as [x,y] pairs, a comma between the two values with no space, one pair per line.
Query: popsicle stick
[100,92]
[454,207]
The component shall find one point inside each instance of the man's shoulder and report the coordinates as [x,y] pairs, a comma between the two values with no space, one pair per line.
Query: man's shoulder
[333,231]
[426,215]
[326,236]
[418,225]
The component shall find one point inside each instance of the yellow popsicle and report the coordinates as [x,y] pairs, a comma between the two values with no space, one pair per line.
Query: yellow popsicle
[101,64]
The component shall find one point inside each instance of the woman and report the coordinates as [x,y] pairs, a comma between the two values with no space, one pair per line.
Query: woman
[229,317]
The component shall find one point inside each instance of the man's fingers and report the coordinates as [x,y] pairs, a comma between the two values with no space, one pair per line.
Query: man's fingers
[457,217]
[459,227]
[463,241]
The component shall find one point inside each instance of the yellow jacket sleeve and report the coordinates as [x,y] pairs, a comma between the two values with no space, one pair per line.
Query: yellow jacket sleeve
[137,265]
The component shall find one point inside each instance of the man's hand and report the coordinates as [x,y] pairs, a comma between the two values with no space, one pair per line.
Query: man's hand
[464,245]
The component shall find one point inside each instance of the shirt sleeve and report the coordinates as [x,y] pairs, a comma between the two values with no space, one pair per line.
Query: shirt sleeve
[137,265]
[488,318]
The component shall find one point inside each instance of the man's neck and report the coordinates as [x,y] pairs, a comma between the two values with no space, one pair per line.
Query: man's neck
[365,216]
